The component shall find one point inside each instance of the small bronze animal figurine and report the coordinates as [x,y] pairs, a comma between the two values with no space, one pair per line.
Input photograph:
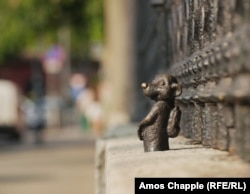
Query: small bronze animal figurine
[163,120]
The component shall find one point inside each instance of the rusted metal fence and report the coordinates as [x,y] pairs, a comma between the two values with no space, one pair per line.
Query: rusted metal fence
[206,45]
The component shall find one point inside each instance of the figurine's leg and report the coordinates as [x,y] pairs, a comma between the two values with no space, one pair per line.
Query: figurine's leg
[155,141]
[155,147]
[173,127]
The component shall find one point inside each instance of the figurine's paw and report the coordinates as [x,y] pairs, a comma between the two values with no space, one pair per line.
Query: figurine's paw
[140,137]
[139,133]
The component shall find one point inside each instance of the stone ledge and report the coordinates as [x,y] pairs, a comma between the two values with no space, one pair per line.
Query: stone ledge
[119,160]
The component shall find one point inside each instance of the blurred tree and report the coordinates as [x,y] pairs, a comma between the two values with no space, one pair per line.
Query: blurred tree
[32,25]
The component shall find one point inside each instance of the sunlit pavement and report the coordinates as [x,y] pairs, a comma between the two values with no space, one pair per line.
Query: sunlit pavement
[63,164]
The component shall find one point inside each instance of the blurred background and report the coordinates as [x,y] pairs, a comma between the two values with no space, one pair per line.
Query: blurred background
[51,52]
[66,76]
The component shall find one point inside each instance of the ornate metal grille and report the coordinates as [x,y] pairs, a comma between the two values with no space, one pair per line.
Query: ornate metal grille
[206,45]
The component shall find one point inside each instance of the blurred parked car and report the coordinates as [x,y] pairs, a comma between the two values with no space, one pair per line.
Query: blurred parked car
[11,122]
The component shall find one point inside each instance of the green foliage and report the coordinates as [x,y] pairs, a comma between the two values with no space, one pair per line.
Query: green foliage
[27,23]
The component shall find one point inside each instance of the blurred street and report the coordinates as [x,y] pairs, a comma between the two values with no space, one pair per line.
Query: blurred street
[63,163]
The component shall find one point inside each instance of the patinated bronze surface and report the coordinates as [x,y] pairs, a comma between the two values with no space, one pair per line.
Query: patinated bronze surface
[163,119]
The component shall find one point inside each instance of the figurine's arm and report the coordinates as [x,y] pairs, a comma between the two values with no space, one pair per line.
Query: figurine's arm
[150,118]
[173,128]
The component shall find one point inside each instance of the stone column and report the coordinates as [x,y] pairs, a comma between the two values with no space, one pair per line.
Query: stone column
[117,91]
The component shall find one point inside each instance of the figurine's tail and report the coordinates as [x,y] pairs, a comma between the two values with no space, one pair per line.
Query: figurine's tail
[173,128]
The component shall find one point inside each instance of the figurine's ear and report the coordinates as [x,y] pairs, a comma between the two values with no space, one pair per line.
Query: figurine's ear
[177,88]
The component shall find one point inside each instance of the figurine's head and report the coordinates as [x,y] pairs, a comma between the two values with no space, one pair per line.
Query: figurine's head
[162,88]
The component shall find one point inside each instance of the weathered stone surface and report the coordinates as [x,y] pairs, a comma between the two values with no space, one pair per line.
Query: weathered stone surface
[125,159]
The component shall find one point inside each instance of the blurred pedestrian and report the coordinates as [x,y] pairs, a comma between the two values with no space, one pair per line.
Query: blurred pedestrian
[78,83]
[33,106]
[90,106]
[34,117]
